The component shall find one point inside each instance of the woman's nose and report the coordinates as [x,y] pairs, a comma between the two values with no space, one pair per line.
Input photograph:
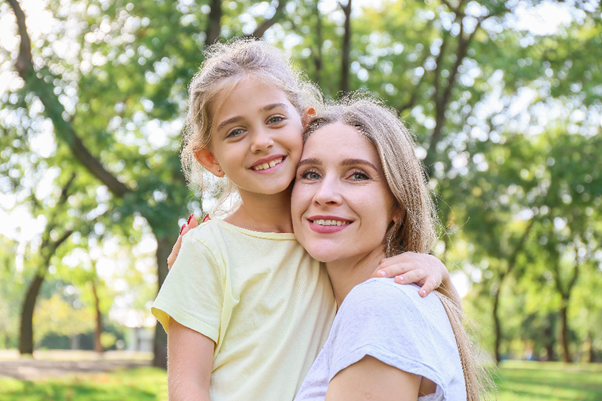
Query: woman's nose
[328,192]
[261,141]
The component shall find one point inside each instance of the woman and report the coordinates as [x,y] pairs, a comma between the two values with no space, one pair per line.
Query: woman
[360,195]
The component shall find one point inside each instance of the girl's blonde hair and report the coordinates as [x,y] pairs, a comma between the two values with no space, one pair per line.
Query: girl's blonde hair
[416,229]
[225,65]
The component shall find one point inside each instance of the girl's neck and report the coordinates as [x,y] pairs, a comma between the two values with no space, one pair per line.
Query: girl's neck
[347,273]
[264,213]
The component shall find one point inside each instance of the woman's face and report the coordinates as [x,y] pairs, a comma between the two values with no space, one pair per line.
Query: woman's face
[341,203]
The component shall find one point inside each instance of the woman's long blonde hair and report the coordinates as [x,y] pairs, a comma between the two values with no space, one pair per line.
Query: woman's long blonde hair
[416,231]
[225,65]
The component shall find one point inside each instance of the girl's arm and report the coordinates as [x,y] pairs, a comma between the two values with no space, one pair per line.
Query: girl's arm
[371,379]
[190,361]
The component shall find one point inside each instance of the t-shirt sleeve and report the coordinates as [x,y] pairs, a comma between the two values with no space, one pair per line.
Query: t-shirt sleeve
[394,325]
[192,293]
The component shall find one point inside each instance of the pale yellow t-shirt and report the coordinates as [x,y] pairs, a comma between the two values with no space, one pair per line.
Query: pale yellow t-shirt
[265,302]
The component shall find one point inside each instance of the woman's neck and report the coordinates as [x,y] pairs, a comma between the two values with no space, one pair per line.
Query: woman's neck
[264,213]
[347,273]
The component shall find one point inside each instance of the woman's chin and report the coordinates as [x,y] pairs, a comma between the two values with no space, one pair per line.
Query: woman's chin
[323,254]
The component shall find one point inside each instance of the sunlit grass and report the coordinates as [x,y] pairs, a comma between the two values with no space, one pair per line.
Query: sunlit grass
[517,381]
[554,381]
[143,384]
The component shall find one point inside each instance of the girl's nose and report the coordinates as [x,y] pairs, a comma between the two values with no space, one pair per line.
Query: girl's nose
[262,141]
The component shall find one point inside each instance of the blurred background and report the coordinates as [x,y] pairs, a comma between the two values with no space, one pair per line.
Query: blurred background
[504,98]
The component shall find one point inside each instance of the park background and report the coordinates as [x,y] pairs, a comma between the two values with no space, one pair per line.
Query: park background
[504,98]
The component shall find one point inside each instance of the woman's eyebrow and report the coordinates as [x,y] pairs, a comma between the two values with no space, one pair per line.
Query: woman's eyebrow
[309,161]
[351,162]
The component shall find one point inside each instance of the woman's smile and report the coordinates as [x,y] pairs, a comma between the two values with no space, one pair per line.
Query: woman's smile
[328,224]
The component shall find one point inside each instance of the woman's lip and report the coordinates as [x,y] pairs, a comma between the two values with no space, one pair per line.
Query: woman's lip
[327,229]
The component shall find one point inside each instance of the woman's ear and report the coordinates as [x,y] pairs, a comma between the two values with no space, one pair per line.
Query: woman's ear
[398,214]
[208,160]
[308,113]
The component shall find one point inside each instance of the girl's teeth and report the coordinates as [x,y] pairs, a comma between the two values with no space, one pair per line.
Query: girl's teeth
[265,166]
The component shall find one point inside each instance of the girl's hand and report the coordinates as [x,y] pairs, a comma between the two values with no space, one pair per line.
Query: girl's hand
[425,270]
[189,225]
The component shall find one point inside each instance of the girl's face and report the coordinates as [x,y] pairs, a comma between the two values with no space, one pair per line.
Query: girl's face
[341,203]
[256,139]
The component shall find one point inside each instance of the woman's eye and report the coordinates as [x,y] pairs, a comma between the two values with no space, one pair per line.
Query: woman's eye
[275,119]
[310,175]
[359,176]
[235,133]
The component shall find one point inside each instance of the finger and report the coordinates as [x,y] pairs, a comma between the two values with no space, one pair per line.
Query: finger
[394,270]
[174,253]
[429,286]
[193,223]
[397,259]
[185,230]
[410,277]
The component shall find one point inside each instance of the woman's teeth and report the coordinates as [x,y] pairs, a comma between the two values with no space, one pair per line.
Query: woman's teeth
[331,222]
[266,166]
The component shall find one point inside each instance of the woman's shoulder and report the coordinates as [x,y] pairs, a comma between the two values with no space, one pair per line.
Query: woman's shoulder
[387,293]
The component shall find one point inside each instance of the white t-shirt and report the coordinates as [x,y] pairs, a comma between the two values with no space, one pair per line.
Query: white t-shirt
[260,297]
[393,324]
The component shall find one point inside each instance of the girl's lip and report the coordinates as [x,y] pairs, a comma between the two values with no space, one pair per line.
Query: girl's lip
[327,229]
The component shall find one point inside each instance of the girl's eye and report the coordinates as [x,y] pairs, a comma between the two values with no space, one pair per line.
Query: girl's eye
[275,119]
[310,175]
[359,176]
[235,133]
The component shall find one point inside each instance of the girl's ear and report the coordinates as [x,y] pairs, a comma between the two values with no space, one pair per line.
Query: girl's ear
[308,113]
[208,160]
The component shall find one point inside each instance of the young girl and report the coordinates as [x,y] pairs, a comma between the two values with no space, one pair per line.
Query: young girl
[246,308]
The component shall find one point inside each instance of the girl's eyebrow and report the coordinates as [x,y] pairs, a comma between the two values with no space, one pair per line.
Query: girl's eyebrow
[273,106]
[228,121]
[238,118]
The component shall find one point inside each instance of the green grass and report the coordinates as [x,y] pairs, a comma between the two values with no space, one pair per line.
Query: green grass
[517,381]
[553,381]
[139,384]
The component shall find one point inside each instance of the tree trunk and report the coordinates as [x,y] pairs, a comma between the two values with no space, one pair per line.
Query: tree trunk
[98,330]
[497,324]
[317,57]
[564,332]
[29,304]
[214,25]
[164,245]
[346,48]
